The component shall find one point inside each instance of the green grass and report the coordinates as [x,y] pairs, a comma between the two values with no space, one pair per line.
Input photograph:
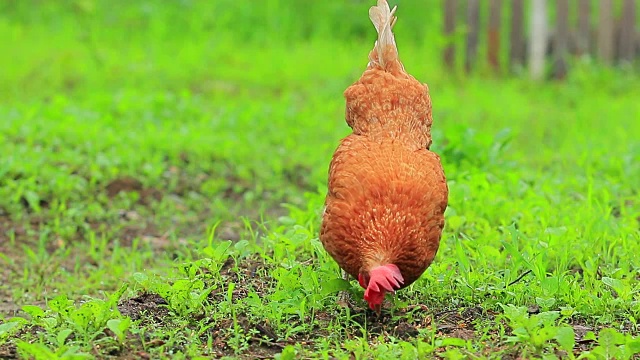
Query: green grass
[219,138]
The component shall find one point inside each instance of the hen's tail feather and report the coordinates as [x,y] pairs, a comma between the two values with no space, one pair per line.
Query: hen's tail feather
[383,19]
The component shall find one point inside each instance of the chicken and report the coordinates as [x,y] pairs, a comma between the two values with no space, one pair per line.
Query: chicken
[387,193]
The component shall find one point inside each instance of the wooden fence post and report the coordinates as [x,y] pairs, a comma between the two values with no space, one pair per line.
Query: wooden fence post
[473,20]
[605,31]
[516,38]
[495,7]
[627,43]
[450,7]
[562,39]
[538,42]
[584,27]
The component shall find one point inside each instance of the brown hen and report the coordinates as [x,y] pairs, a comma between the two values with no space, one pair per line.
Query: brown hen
[384,211]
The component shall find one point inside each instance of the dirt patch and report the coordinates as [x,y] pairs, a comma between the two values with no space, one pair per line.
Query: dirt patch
[460,322]
[8,351]
[130,184]
[581,343]
[125,184]
[7,307]
[297,175]
[8,230]
[263,344]
[150,308]
[405,330]
[142,220]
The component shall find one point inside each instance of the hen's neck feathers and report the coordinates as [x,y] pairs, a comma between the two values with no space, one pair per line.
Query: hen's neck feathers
[386,102]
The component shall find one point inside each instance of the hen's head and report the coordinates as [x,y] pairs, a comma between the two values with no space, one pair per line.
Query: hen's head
[378,282]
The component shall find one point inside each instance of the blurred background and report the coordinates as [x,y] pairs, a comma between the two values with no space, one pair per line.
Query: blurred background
[74,43]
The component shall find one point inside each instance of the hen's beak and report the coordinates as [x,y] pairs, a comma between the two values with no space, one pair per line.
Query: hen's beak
[377,308]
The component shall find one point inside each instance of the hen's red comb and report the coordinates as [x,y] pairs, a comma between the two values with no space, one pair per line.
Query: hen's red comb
[382,279]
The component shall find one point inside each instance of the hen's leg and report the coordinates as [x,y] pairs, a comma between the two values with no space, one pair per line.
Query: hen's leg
[343,296]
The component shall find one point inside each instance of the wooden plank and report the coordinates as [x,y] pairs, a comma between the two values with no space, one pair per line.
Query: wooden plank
[538,43]
[473,23]
[493,54]
[627,41]
[562,39]
[584,27]
[605,31]
[449,31]
[516,37]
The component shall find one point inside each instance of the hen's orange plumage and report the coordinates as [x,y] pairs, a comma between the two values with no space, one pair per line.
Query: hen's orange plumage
[387,193]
